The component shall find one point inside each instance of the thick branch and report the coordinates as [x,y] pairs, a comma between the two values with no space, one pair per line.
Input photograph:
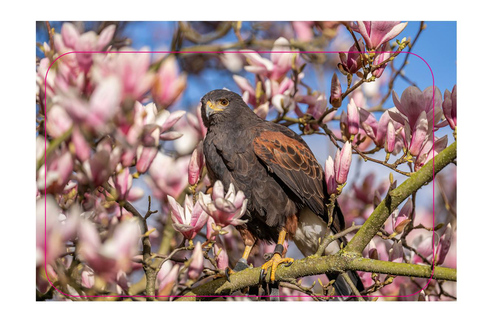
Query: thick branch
[316,265]
[395,197]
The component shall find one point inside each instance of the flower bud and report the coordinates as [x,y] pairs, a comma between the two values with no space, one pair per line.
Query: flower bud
[336,92]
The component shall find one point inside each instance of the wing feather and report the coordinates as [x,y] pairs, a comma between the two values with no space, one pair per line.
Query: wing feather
[295,165]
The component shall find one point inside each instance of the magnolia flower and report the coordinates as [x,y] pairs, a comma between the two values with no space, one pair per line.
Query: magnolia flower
[390,138]
[395,254]
[353,118]
[429,150]
[168,84]
[99,110]
[279,64]
[123,186]
[49,244]
[168,176]
[443,245]
[114,254]
[99,167]
[196,164]
[82,147]
[70,39]
[187,220]
[335,92]
[418,112]
[132,69]
[330,176]
[377,33]
[195,268]
[343,159]
[166,279]
[54,175]
[381,56]
[303,30]
[401,218]
[449,106]
[57,121]
[350,63]
[225,209]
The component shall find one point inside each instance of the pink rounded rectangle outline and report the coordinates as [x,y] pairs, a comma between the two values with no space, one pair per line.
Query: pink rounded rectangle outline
[226,296]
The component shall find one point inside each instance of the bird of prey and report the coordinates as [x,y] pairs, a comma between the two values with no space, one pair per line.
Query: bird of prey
[277,171]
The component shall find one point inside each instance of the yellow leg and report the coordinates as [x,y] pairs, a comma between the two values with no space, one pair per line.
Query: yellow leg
[277,258]
[246,253]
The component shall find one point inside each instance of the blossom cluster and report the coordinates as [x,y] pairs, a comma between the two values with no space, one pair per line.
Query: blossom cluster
[113,129]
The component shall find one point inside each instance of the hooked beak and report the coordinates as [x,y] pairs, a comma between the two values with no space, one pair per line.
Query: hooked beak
[212,108]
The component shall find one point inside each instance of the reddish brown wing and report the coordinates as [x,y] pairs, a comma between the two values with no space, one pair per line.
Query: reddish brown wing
[295,165]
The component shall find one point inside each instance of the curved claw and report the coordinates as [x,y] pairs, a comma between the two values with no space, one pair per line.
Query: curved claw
[273,264]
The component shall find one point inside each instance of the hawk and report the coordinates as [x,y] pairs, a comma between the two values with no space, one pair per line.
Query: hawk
[280,176]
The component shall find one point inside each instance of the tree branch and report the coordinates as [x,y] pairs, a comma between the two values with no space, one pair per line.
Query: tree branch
[395,197]
[316,265]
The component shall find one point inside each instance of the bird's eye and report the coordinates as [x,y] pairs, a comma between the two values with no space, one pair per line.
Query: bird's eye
[224,102]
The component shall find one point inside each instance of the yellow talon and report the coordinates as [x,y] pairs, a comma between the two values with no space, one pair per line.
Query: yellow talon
[273,263]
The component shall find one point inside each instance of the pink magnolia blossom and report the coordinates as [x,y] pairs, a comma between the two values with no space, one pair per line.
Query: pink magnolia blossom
[443,245]
[130,68]
[402,218]
[189,219]
[143,136]
[82,147]
[386,133]
[59,167]
[353,118]
[377,33]
[303,30]
[381,56]
[112,255]
[233,61]
[196,164]
[166,279]
[70,39]
[248,92]
[168,176]
[123,183]
[280,93]
[335,92]
[99,110]
[99,167]
[351,61]
[449,106]
[429,151]
[279,64]
[49,244]
[317,106]
[343,159]
[225,209]
[390,138]
[330,176]
[395,254]
[169,84]
[418,112]
[195,268]
[58,121]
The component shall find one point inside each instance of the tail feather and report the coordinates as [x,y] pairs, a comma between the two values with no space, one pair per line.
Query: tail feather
[343,290]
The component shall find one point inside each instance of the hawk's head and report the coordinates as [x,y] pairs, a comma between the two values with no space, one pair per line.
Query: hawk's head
[218,105]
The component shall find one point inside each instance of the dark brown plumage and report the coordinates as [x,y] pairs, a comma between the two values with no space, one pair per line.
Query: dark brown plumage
[274,167]
[270,163]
